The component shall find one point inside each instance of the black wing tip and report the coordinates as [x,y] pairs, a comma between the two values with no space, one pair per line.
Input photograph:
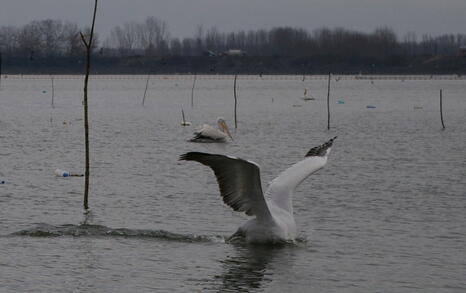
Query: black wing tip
[190,156]
[321,150]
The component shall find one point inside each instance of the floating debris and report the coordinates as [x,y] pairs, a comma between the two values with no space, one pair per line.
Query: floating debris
[63,173]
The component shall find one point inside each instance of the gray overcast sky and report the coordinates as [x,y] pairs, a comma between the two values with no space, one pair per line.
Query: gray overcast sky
[182,16]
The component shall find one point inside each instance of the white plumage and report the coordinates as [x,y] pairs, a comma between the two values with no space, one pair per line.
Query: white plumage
[240,187]
[207,133]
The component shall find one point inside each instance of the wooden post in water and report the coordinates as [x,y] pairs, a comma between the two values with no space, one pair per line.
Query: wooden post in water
[441,109]
[145,90]
[53,91]
[328,102]
[183,121]
[0,70]
[88,45]
[236,100]
[192,91]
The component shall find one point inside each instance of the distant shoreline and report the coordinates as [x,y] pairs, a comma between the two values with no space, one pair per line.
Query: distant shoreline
[270,65]
[268,77]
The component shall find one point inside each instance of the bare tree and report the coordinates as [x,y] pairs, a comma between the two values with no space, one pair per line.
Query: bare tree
[213,40]
[199,39]
[176,49]
[125,38]
[409,43]
[29,39]
[188,47]
[48,38]
[8,39]
[153,35]
[71,40]
[51,35]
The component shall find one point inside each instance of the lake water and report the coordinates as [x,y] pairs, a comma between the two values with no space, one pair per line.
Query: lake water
[386,214]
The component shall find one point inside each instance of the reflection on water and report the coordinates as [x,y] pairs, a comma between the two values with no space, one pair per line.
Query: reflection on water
[89,263]
[247,270]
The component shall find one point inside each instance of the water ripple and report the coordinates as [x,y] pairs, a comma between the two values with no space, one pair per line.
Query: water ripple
[87,230]
[92,230]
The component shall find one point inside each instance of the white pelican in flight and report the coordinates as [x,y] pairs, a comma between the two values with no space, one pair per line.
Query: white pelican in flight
[240,187]
[207,133]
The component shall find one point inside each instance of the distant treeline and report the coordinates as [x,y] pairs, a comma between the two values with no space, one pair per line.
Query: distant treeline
[55,44]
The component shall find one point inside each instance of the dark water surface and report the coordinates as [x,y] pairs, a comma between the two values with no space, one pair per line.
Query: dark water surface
[387,213]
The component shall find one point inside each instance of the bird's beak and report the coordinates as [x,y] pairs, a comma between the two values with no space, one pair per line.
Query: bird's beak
[225,129]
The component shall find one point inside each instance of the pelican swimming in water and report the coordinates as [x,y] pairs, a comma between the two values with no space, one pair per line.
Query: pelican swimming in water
[207,133]
[240,187]
[306,98]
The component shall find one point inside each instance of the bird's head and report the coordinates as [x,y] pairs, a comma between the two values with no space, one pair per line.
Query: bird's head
[222,125]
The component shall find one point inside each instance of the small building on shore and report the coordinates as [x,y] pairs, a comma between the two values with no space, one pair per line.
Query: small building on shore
[234,52]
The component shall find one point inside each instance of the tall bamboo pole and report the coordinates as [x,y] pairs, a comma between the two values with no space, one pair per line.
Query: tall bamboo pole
[441,109]
[236,100]
[53,91]
[145,90]
[88,45]
[183,121]
[0,70]
[328,102]
[192,90]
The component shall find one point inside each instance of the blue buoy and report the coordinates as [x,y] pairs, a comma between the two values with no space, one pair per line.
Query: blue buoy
[2,182]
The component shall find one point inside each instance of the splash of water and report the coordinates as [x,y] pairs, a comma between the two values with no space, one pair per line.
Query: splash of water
[93,230]
[90,230]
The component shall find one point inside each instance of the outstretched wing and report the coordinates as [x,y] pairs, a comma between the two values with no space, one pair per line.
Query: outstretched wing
[282,187]
[238,180]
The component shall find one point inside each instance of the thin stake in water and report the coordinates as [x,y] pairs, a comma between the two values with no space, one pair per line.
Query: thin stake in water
[236,100]
[441,109]
[182,116]
[0,70]
[53,91]
[328,102]
[192,90]
[145,90]
[183,119]
[88,45]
